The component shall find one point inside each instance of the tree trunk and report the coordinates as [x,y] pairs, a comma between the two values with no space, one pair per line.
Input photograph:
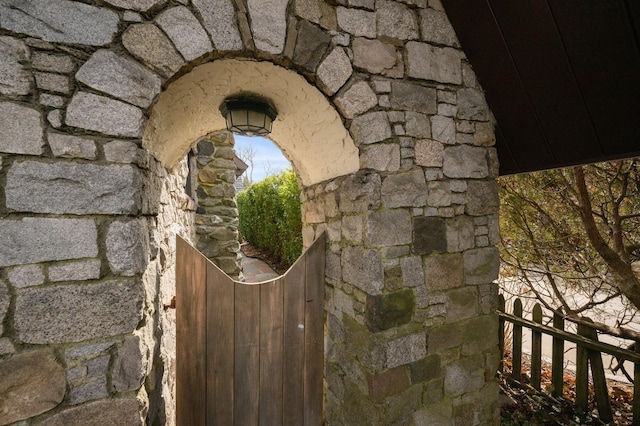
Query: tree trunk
[625,278]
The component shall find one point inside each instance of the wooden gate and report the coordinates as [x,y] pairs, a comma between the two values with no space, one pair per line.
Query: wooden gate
[249,354]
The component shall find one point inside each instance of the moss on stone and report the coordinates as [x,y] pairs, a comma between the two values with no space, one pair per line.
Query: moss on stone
[400,407]
[385,311]
[433,391]
[428,368]
[429,235]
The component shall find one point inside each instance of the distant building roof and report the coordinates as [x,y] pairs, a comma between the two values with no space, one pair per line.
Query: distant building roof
[241,166]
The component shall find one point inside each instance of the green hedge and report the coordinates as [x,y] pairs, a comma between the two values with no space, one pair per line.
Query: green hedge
[270,219]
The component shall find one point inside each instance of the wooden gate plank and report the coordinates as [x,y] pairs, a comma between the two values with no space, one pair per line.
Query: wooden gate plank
[191,339]
[247,346]
[249,354]
[314,335]
[294,331]
[271,353]
[220,348]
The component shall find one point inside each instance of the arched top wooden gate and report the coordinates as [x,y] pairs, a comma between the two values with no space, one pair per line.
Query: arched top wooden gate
[249,354]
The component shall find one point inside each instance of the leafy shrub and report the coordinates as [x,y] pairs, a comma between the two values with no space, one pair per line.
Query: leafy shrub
[269,213]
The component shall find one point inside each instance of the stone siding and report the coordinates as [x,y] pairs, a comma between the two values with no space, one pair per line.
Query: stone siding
[89,218]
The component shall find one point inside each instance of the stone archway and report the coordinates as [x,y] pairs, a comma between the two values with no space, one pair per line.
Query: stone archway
[308,130]
[89,215]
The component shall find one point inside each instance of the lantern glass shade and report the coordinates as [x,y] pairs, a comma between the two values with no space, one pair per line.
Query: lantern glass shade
[248,116]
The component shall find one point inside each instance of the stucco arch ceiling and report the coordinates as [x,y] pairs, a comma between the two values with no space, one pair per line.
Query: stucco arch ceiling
[308,129]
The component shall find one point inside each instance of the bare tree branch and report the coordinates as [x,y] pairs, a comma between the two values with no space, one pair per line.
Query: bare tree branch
[247,153]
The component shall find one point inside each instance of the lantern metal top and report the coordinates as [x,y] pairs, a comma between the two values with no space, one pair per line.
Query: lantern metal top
[248,115]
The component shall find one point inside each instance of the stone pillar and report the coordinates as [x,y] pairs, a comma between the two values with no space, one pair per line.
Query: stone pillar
[217,214]
[411,259]
[410,300]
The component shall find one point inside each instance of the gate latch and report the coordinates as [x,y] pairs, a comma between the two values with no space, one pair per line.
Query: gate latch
[171,305]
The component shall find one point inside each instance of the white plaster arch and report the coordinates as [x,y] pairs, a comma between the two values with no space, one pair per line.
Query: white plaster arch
[308,130]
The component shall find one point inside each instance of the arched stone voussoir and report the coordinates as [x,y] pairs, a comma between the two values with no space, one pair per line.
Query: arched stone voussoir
[139,5]
[268,24]
[308,129]
[185,31]
[153,48]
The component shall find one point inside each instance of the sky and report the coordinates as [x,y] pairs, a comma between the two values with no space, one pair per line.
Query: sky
[268,156]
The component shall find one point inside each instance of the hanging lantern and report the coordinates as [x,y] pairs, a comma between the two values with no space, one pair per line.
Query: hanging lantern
[248,115]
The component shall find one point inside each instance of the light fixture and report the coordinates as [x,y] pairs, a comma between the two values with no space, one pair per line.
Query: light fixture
[248,114]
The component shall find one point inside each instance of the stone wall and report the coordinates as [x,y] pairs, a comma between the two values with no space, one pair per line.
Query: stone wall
[410,300]
[88,218]
[83,281]
[88,222]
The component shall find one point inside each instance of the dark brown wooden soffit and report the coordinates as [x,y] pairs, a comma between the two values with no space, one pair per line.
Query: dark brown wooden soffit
[562,77]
